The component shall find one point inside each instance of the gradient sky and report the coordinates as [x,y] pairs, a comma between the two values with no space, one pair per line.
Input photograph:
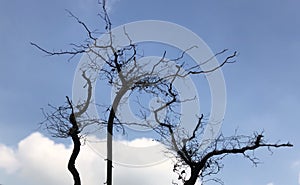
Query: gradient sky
[263,86]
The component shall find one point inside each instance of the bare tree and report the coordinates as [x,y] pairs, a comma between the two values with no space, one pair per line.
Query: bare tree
[61,122]
[122,70]
[197,159]
[65,122]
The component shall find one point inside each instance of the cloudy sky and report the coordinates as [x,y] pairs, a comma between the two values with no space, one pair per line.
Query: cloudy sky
[263,86]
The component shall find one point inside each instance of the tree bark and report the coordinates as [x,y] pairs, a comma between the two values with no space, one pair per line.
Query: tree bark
[110,123]
[194,176]
[71,164]
[73,132]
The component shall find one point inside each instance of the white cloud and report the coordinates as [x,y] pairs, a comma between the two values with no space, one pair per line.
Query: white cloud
[42,160]
[39,160]
[8,160]
[271,183]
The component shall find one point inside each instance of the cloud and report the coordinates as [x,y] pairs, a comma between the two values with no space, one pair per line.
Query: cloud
[8,159]
[271,183]
[42,160]
[39,160]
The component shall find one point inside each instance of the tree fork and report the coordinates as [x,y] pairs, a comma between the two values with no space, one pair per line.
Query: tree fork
[73,132]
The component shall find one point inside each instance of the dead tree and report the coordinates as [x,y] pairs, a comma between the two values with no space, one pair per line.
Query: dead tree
[123,71]
[61,122]
[203,158]
[64,122]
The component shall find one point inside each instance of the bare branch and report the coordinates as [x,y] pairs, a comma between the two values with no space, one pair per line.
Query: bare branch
[83,24]
[73,53]
[227,60]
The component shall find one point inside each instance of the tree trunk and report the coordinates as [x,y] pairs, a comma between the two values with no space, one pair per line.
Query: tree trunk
[73,132]
[110,123]
[194,176]
[71,164]
[109,147]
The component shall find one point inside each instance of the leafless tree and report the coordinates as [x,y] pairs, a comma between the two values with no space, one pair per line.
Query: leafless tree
[122,70]
[65,121]
[197,159]
[61,122]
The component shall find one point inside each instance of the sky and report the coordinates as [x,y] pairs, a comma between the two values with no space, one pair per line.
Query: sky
[262,86]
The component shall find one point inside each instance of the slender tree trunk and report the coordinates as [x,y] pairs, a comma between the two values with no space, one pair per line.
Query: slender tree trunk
[110,123]
[109,147]
[73,132]
[71,164]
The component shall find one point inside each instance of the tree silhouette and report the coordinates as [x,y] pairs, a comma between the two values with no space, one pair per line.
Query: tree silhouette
[65,122]
[203,158]
[123,71]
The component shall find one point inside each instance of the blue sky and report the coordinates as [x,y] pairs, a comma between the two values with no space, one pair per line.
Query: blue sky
[262,87]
